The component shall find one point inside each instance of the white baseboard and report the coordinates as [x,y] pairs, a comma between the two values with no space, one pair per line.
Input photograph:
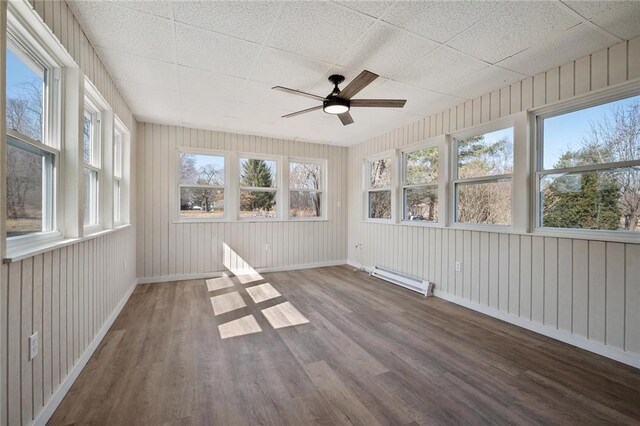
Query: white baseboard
[561,335]
[184,277]
[59,394]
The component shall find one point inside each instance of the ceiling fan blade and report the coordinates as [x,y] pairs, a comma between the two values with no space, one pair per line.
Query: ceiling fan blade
[298,92]
[378,103]
[357,84]
[304,111]
[346,118]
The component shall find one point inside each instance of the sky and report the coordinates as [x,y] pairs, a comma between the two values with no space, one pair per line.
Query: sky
[568,130]
[17,73]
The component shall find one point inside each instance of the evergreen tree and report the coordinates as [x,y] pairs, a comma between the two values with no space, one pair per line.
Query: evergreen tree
[256,173]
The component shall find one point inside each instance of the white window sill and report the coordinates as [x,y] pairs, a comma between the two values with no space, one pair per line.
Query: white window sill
[250,220]
[422,223]
[27,251]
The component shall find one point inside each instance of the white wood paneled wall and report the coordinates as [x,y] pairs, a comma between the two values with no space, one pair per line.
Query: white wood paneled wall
[66,295]
[170,249]
[589,289]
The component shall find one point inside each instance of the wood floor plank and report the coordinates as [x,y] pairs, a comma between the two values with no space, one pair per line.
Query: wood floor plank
[329,346]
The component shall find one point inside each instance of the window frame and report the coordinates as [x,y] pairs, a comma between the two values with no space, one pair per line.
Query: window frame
[437,184]
[537,117]
[322,190]
[96,161]
[392,188]
[493,126]
[122,217]
[35,52]
[278,189]
[225,187]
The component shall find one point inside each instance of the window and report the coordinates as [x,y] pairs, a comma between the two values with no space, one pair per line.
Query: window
[91,135]
[117,175]
[305,189]
[32,89]
[482,178]
[201,185]
[589,168]
[258,188]
[378,176]
[420,184]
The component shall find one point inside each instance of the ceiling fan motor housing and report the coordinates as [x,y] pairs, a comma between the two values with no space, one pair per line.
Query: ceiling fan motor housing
[336,105]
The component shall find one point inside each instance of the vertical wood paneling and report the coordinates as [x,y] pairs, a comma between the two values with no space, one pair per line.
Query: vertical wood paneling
[581,288]
[587,288]
[600,69]
[64,294]
[597,296]
[551,282]
[615,295]
[566,81]
[617,63]
[582,75]
[632,298]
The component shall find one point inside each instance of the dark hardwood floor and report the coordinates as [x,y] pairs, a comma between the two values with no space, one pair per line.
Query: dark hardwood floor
[370,353]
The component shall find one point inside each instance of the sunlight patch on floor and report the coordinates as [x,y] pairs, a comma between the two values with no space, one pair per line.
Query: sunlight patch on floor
[240,327]
[247,278]
[227,302]
[262,292]
[219,283]
[284,315]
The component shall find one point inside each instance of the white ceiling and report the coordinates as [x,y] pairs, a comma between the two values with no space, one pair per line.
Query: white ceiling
[212,64]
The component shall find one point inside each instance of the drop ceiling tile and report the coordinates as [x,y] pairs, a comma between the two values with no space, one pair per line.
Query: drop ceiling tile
[205,104]
[116,27]
[575,43]
[621,18]
[260,113]
[318,30]
[148,103]
[438,20]
[419,101]
[248,20]
[386,50]
[440,71]
[371,8]
[155,7]
[513,28]
[213,85]
[262,94]
[138,69]
[486,81]
[286,69]
[591,9]
[210,51]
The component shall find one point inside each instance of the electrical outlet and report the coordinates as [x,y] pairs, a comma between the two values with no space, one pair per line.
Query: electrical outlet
[267,247]
[458,266]
[33,345]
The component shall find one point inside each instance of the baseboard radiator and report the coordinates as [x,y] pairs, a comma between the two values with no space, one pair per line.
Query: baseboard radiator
[415,284]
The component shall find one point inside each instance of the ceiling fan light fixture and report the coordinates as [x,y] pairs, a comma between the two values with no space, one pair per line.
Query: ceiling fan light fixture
[335,105]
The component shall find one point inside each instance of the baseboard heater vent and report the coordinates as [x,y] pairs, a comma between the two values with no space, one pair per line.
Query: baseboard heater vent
[420,286]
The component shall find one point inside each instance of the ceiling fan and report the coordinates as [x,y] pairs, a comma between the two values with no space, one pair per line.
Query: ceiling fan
[339,102]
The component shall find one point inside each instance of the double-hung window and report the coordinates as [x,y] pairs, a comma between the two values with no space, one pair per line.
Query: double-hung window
[588,167]
[117,175]
[32,137]
[92,159]
[420,184]
[306,189]
[201,179]
[379,188]
[483,165]
[258,188]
